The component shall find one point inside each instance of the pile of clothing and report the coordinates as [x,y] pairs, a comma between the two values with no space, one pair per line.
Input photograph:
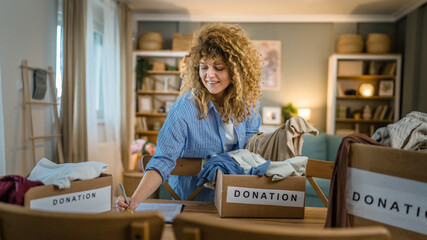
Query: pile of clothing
[46,172]
[283,161]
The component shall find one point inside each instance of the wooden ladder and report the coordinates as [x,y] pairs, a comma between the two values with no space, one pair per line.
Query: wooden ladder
[28,104]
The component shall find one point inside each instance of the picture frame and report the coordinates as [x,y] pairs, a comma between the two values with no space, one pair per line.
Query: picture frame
[271,56]
[168,105]
[145,104]
[271,115]
[386,88]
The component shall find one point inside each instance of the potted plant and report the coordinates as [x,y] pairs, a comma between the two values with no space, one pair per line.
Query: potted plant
[142,66]
[289,111]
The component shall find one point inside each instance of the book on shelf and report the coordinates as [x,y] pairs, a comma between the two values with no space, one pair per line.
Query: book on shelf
[388,112]
[390,115]
[383,112]
[141,123]
[377,112]
[340,89]
[342,111]
[389,68]
[138,123]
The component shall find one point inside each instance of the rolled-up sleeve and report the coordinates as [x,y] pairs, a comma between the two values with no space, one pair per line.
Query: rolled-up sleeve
[253,124]
[170,144]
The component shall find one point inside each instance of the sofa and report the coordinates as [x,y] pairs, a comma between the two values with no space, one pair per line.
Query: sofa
[322,147]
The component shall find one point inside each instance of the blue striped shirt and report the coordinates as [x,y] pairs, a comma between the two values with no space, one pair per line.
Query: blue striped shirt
[185,135]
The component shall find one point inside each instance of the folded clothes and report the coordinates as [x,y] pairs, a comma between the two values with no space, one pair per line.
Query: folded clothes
[61,174]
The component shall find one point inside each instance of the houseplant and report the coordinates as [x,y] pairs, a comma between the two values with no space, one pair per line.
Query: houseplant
[289,111]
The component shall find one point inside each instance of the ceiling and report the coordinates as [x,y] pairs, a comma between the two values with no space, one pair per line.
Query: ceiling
[274,10]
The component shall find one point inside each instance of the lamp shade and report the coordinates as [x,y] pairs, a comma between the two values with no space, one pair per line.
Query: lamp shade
[304,113]
[366,89]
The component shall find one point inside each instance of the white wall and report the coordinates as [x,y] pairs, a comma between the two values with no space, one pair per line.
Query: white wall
[28,31]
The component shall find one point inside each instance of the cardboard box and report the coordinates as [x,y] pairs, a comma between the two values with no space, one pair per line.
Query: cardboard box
[83,196]
[387,186]
[254,196]
[350,68]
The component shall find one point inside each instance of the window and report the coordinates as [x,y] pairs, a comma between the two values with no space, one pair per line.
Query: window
[98,39]
[59,57]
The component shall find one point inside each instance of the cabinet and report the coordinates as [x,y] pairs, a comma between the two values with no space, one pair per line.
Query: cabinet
[159,89]
[348,108]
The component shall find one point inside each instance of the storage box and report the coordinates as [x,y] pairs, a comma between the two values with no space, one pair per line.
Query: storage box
[83,196]
[350,68]
[254,196]
[387,186]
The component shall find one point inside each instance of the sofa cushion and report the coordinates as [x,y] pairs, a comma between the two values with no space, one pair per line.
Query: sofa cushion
[333,142]
[315,147]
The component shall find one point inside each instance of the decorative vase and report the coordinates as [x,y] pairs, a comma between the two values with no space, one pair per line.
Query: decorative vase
[367,112]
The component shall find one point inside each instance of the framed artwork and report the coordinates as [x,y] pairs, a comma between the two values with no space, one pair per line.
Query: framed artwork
[271,55]
[168,105]
[271,115]
[145,104]
[386,88]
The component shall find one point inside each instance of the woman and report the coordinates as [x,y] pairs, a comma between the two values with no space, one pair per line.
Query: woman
[217,110]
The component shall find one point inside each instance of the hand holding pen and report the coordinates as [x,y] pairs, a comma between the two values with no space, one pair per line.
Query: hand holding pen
[120,205]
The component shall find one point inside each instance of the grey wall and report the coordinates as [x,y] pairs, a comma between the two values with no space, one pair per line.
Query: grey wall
[414,84]
[304,59]
[27,31]
[2,149]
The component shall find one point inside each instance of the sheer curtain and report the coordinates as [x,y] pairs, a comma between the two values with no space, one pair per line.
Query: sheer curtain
[103,86]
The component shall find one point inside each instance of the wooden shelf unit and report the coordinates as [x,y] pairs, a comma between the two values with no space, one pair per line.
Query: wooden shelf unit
[160,87]
[372,71]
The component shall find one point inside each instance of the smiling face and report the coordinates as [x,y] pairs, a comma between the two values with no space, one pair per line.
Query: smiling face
[215,76]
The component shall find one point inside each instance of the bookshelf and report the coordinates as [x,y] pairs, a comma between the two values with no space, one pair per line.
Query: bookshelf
[159,89]
[347,109]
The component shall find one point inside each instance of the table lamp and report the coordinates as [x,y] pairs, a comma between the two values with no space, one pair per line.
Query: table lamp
[305,113]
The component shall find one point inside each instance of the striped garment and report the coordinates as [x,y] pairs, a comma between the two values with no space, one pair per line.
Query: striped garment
[185,135]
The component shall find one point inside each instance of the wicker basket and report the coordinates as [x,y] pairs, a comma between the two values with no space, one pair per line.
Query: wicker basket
[378,43]
[350,43]
[150,41]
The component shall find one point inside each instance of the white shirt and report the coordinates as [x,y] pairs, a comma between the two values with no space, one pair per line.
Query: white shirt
[230,136]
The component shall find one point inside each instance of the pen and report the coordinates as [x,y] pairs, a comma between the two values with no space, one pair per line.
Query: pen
[124,193]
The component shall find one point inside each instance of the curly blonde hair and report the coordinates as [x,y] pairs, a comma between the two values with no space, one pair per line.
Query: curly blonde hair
[231,44]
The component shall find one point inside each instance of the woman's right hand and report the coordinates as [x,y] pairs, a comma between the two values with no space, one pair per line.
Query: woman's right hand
[149,183]
[122,206]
